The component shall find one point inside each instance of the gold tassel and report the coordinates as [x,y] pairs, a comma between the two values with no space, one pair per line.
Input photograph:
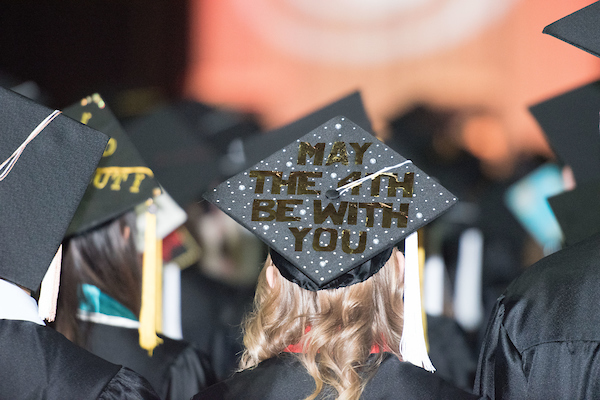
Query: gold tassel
[147,330]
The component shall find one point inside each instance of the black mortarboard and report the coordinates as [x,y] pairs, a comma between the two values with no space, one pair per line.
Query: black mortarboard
[42,190]
[577,212]
[579,29]
[323,234]
[570,123]
[122,179]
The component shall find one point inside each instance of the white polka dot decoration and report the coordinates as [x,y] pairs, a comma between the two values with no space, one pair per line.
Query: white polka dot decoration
[333,199]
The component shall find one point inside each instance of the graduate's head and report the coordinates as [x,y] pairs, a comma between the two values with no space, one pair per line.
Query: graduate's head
[107,258]
[340,325]
[46,161]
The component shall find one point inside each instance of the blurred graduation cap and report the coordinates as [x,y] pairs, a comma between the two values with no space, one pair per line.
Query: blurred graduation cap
[42,179]
[579,29]
[570,123]
[122,183]
[190,146]
[577,212]
[332,205]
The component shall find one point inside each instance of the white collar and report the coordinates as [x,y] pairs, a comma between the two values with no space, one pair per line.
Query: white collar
[15,304]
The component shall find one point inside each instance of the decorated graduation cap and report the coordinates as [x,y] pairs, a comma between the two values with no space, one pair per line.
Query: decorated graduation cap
[46,161]
[122,179]
[123,182]
[579,29]
[332,205]
[570,123]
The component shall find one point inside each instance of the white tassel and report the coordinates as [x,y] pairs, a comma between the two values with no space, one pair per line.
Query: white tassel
[468,305]
[49,288]
[433,285]
[412,345]
[172,301]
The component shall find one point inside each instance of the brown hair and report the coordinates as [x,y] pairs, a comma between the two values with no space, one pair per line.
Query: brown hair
[369,313]
[106,259]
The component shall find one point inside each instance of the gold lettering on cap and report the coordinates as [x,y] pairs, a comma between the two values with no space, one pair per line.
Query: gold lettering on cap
[338,153]
[260,179]
[283,209]
[337,216]
[370,208]
[85,117]
[264,206]
[111,147]
[406,185]
[352,213]
[333,235]
[362,242]
[306,149]
[299,235]
[360,151]
[120,174]
[304,183]
[400,216]
[354,176]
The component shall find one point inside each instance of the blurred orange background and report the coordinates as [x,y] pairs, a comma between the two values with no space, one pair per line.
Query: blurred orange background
[282,59]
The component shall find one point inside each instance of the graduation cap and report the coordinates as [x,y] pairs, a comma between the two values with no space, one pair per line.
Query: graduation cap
[184,143]
[46,161]
[332,204]
[122,183]
[570,123]
[122,179]
[577,212]
[579,29]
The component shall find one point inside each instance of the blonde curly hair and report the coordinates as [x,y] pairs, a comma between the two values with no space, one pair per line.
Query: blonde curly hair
[341,326]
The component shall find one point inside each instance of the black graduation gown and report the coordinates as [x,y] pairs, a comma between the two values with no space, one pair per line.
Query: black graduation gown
[176,370]
[36,362]
[211,314]
[284,377]
[543,341]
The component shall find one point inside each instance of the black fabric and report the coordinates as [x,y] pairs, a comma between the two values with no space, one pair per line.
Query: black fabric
[37,362]
[577,211]
[128,385]
[211,314]
[579,29]
[356,275]
[450,352]
[176,369]
[543,341]
[40,194]
[284,377]
[570,124]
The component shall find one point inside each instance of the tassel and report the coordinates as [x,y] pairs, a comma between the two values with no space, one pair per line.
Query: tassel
[147,329]
[468,304]
[159,286]
[412,345]
[49,288]
[421,280]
